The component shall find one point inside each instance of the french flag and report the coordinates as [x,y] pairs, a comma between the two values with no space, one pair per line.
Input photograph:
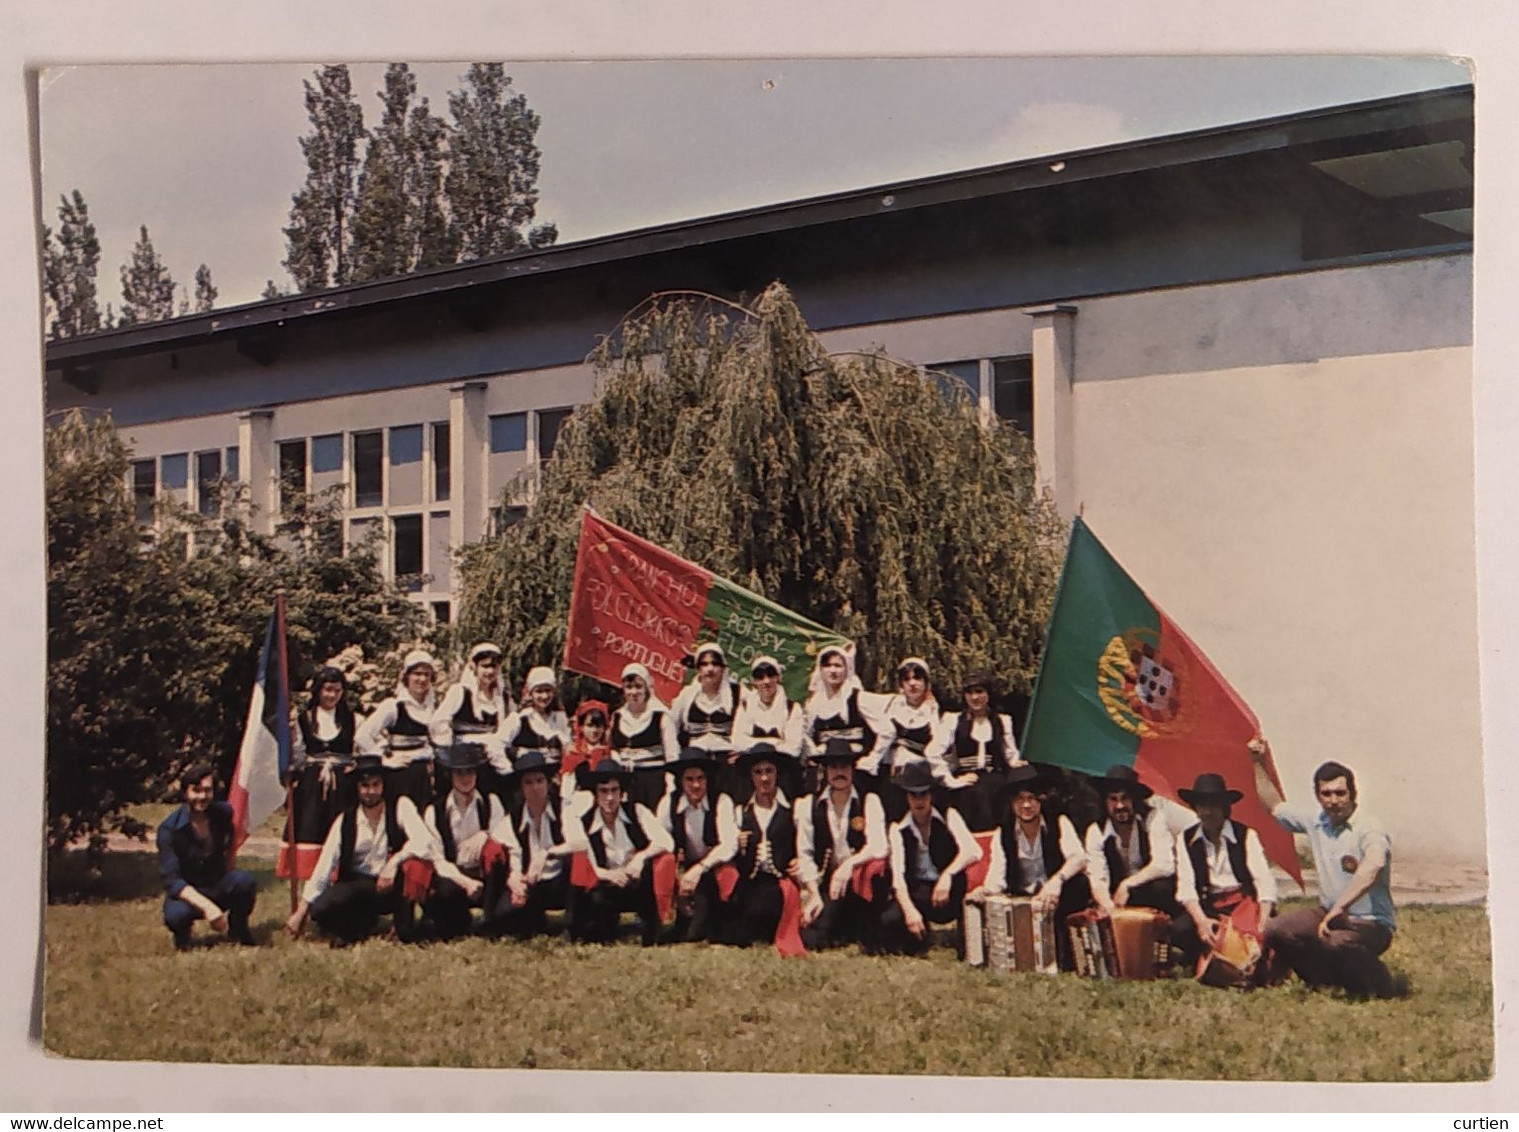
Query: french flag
[263,759]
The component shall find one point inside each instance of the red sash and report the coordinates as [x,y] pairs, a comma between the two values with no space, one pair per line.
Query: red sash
[664,885]
[863,880]
[302,855]
[493,856]
[416,879]
[975,876]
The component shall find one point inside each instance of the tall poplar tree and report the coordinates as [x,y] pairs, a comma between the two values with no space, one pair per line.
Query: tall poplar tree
[70,263]
[321,213]
[205,290]
[381,237]
[147,289]
[492,181]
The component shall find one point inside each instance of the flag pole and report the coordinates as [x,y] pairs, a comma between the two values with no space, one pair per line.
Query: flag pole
[284,669]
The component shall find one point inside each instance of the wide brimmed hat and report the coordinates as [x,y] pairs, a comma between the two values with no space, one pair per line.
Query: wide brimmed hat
[835,751]
[692,756]
[416,658]
[609,770]
[462,756]
[1123,777]
[916,778]
[1029,776]
[532,760]
[979,678]
[368,764]
[1209,788]
[485,648]
[761,753]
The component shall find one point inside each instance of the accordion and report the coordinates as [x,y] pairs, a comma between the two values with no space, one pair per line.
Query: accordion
[1130,944]
[1005,934]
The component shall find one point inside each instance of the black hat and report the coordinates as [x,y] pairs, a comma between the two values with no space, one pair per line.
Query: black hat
[368,764]
[761,753]
[532,760]
[1025,777]
[979,678]
[462,756]
[1123,777]
[692,756]
[834,751]
[916,778]
[1210,788]
[608,770]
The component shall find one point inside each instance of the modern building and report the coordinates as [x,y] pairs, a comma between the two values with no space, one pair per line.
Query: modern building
[1244,353]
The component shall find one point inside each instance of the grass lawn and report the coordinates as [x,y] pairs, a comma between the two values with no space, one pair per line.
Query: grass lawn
[115,988]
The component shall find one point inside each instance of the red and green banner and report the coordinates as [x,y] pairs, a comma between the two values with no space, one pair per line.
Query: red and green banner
[1121,683]
[634,601]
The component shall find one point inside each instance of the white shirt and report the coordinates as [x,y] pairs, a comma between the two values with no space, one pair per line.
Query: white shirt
[822,705]
[688,825]
[539,837]
[464,823]
[1220,872]
[692,695]
[781,715]
[372,736]
[871,814]
[616,842]
[1152,830]
[325,727]
[967,852]
[371,846]
[1031,872]
[441,728]
[943,744]
[900,714]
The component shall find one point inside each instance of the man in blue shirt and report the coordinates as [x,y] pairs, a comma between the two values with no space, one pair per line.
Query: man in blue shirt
[1339,942]
[194,854]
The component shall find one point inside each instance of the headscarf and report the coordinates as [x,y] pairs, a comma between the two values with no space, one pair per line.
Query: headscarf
[582,753]
[633,668]
[415,659]
[928,694]
[817,690]
[542,674]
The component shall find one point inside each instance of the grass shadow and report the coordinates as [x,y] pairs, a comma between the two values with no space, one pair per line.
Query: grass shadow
[122,876]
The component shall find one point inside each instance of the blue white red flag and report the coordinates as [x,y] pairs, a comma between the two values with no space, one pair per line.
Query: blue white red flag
[264,756]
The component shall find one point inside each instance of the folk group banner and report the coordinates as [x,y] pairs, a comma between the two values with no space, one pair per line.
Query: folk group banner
[635,601]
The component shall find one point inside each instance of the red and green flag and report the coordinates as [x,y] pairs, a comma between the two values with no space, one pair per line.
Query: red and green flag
[1121,683]
[634,601]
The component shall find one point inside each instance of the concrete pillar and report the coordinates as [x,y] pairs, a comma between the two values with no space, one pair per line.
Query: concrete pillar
[1054,430]
[256,466]
[470,430]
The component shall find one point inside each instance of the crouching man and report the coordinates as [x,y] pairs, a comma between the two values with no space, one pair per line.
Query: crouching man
[701,825]
[364,851]
[841,843]
[1221,871]
[538,880]
[1131,857]
[930,852]
[466,864]
[622,839]
[194,855]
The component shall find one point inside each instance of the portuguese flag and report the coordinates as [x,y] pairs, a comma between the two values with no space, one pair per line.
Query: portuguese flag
[634,601]
[1121,683]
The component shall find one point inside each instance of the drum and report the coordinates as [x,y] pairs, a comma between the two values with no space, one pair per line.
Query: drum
[1232,961]
[1140,940]
[1006,934]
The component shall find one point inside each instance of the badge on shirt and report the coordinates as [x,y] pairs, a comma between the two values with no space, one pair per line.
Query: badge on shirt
[1349,863]
[857,824]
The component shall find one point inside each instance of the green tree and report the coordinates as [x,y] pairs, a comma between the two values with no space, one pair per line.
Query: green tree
[382,239]
[492,181]
[433,242]
[147,288]
[321,212]
[151,654]
[70,263]
[846,488]
[271,290]
[205,290]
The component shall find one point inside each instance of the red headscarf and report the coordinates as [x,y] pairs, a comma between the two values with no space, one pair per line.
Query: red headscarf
[581,752]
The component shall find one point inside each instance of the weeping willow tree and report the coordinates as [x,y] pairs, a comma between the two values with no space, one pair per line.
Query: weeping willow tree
[844,487]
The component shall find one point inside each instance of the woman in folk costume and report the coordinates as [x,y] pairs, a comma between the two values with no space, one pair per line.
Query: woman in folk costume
[320,770]
[589,744]
[473,710]
[643,737]
[839,707]
[540,724]
[1037,853]
[706,709]
[911,717]
[766,715]
[972,752]
[398,730]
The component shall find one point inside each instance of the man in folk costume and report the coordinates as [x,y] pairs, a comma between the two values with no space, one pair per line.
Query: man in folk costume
[643,736]
[1038,855]
[464,867]
[538,852]
[911,717]
[473,709]
[1131,857]
[1340,942]
[971,753]
[705,710]
[357,876]
[1221,871]
[930,853]
[622,838]
[838,707]
[766,715]
[701,824]
[195,845]
[399,731]
[841,842]
[766,904]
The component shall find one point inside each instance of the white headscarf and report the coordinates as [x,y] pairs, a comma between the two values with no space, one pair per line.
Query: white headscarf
[633,668]
[817,690]
[415,659]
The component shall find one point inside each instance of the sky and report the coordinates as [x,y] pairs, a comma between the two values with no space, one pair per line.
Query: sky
[208,156]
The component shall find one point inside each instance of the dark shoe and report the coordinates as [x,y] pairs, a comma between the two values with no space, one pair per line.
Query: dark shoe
[1396,986]
[239,934]
[182,940]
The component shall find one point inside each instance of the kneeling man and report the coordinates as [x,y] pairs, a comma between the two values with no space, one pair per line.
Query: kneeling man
[538,878]
[839,834]
[930,852]
[622,838]
[1131,857]
[701,825]
[194,855]
[1221,870]
[458,827]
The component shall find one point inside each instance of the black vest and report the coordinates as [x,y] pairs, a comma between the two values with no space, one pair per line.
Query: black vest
[964,750]
[468,721]
[636,835]
[678,829]
[446,827]
[942,849]
[556,831]
[530,738]
[650,736]
[718,722]
[1198,851]
[782,838]
[395,837]
[822,831]
[405,724]
[1049,846]
[339,744]
[1118,860]
[850,725]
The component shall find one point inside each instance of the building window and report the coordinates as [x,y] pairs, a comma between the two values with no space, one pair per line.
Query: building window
[550,421]
[368,473]
[176,472]
[208,487]
[292,472]
[327,453]
[405,445]
[144,490]
[952,376]
[504,517]
[442,470]
[440,612]
[1013,392]
[232,462]
[406,546]
[509,433]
